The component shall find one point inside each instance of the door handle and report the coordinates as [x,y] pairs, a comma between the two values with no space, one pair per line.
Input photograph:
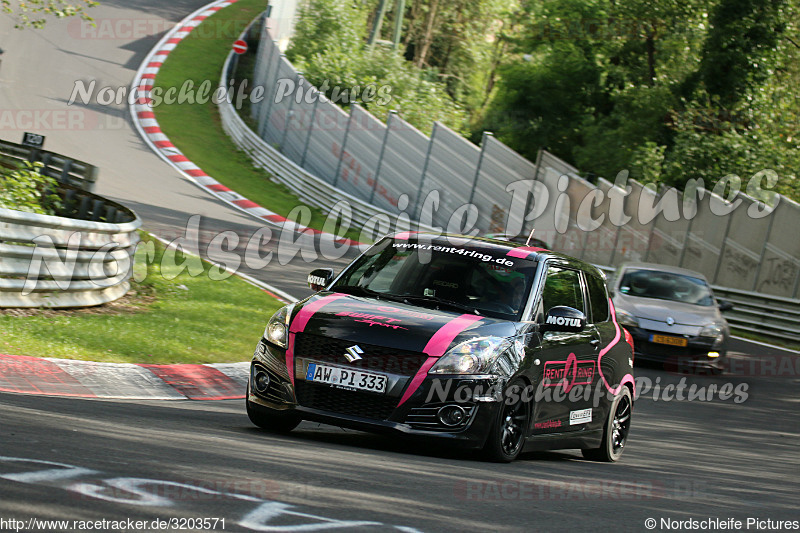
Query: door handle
[595,342]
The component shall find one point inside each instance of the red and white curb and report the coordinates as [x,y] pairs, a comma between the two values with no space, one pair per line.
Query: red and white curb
[86,379]
[146,124]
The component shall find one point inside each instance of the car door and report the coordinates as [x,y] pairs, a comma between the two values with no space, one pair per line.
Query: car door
[567,360]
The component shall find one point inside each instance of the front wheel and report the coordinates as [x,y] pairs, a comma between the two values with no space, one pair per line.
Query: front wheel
[275,421]
[615,432]
[507,435]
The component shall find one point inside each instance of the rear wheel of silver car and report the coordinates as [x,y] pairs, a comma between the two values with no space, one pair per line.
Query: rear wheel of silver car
[507,435]
[268,419]
[615,431]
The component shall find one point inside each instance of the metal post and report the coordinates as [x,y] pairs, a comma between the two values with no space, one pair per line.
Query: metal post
[262,125]
[399,13]
[764,249]
[424,170]
[344,144]
[653,227]
[537,167]
[722,247]
[310,128]
[376,26]
[480,162]
[289,112]
[380,157]
[689,230]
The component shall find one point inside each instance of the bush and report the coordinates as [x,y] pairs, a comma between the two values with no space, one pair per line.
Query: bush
[24,188]
[328,47]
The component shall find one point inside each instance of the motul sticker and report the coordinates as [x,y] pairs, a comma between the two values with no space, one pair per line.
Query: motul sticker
[580,417]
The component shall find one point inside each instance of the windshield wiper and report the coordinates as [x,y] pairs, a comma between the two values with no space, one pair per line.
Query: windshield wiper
[438,302]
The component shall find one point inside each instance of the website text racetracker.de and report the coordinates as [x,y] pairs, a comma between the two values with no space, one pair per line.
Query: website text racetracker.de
[453,250]
[125,524]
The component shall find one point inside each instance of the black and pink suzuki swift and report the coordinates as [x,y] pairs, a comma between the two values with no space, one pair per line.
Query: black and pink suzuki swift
[487,344]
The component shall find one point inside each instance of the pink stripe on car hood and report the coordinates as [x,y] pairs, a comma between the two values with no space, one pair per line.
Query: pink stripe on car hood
[436,347]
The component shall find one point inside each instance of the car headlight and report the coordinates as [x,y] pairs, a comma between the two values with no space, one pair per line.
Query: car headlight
[627,319]
[471,357]
[277,330]
[711,330]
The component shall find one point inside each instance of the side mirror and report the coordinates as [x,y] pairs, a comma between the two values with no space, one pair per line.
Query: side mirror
[724,305]
[320,278]
[563,318]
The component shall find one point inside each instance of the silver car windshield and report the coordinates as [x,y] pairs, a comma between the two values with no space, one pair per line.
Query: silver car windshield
[666,286]
[465,279]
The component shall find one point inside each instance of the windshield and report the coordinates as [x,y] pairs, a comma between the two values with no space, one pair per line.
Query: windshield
[666,286]
[466,279]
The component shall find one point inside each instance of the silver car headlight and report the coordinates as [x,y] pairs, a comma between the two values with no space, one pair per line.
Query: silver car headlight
[711,330]
[471,357]
[277,330]
[627,319]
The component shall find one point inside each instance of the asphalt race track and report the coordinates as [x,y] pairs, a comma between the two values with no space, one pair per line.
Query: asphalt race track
[198,463]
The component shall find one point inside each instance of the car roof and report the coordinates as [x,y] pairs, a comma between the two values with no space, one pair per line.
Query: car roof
[662,268]
[501,246]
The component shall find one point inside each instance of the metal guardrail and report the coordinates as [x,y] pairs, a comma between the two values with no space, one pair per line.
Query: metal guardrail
[64,169]
[770,316]
[55,261]
[773,317]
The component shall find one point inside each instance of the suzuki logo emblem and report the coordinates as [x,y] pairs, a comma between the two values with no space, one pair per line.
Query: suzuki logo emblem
[354,353]
[670,321]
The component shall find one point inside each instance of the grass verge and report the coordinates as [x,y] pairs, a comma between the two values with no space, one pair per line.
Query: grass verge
[168,317]
[196,128]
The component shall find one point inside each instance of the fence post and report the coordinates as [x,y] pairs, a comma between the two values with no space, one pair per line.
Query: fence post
[480,162]
[722,247]
[262,125]
[380,157]
[537,167]
[290,112]
[424,170]
[653,224]
[310,128]
[763,249]
[344,144]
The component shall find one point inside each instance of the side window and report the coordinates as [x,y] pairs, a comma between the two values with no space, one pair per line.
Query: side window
[562,287]
[598,298]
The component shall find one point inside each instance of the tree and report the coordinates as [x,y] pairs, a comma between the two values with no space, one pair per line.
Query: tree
[33,13]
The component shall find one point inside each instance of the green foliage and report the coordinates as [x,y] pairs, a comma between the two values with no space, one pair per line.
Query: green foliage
[329,46]
[32,13]
[738,52]
[670,89]
[407,89]
[24,188]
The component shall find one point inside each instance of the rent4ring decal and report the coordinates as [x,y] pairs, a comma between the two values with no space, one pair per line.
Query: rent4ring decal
[568,373]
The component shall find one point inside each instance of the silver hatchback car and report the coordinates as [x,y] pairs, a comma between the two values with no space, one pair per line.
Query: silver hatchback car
[672,315]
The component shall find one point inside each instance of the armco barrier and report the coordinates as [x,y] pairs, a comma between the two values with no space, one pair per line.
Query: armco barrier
[65,169]
[55,261]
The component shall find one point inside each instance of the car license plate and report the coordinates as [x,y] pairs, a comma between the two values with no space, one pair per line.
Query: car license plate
[667,339]
[346,378]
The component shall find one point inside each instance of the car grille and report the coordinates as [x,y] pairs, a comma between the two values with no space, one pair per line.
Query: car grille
[374,358]
[346,402]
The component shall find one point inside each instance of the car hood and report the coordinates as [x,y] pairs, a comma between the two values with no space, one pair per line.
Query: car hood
[660,310]
[392,324]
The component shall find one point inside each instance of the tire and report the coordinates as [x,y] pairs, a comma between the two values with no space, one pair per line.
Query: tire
[268,419]
[615,431]
[507,435]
